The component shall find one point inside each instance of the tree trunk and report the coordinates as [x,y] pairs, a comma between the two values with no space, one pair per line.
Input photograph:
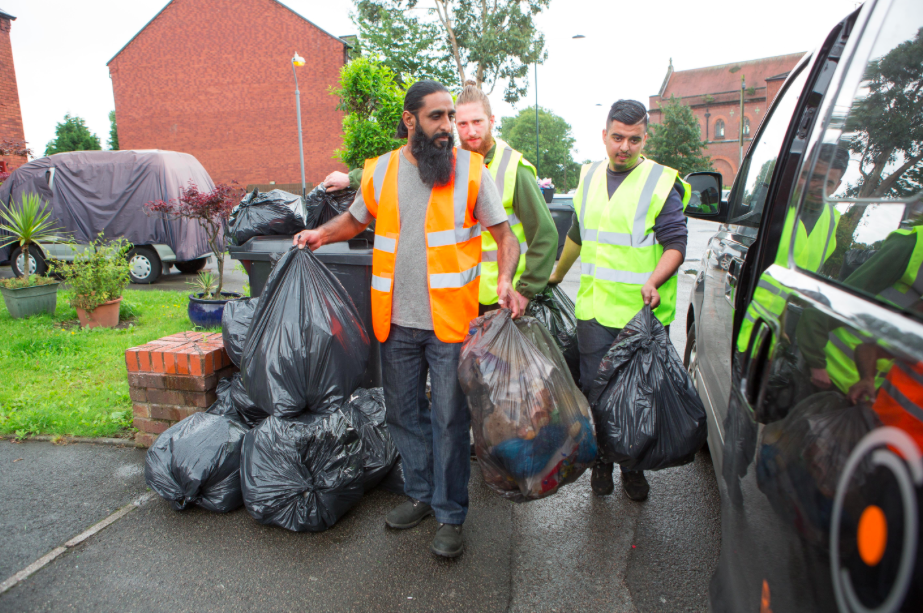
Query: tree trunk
[446,18]
[25,260]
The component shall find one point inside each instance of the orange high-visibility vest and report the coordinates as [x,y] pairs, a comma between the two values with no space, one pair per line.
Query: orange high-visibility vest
[899,402]
[453,244]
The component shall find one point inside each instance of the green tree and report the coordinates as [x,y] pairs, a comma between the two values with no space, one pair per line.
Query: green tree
[373,103]
[72,135]
[113,133]
[677,141]
[490,41]
[556,144]
[413,49]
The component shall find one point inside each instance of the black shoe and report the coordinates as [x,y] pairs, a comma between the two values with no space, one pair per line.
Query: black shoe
[635,485]
[448,541]
[408,514]
[601,479]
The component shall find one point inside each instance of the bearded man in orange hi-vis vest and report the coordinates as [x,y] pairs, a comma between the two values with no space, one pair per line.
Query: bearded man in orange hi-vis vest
[430,203]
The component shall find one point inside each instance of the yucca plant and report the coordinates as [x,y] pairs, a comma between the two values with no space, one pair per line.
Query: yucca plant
[27,224]
[206,285]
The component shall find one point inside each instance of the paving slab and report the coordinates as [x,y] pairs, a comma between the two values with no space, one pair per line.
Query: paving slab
[50,493]
[156,559]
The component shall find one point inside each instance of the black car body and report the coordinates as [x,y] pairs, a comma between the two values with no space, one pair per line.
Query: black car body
[806,351]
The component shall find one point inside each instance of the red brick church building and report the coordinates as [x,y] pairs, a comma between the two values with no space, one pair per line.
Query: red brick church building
[213,78]
[714,95]
[10,111]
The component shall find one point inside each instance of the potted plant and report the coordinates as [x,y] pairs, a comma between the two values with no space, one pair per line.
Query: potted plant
[25,225]
[211,210]
[98,276]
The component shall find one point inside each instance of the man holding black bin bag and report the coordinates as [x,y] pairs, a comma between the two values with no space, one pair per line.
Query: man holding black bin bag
[630,232]
[430,203]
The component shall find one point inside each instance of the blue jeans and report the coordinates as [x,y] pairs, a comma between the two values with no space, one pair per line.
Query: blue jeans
[594,341]
[434,442]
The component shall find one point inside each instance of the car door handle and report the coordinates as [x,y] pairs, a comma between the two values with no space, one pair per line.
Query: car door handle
[730,279]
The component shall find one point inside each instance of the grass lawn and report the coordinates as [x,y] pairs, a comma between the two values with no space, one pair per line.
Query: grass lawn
[56,378]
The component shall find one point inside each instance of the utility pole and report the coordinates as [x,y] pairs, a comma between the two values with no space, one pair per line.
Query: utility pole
[743,86]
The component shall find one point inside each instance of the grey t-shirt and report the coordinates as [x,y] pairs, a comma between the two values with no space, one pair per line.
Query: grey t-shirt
[410,303]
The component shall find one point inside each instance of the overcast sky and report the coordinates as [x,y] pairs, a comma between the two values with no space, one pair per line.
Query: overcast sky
[60,49]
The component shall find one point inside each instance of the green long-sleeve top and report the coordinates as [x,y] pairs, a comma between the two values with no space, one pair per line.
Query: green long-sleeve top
[541,234]
[883,270]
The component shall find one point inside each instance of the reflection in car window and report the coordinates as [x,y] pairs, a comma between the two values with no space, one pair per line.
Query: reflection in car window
[749,198]
[868,177]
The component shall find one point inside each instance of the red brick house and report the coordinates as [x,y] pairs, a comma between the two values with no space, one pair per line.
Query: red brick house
[213,78]
[713,93]
[10,111]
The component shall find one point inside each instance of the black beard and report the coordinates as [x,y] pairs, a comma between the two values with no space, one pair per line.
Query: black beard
[435,160]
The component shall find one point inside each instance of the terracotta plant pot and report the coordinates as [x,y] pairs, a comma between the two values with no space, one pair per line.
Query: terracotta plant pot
[105,315]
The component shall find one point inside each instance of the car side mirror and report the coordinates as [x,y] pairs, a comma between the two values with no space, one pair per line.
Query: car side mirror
[705,201]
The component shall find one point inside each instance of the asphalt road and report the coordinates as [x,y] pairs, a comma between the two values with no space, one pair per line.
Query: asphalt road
[571,552]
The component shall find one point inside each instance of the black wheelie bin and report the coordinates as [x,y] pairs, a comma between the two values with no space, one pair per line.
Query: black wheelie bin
[350,261]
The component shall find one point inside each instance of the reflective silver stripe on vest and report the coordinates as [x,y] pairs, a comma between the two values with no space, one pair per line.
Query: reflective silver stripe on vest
[840,344]
[491,256]
[769,287]
[830,230]
[587,178]
[460,233]
[500,178]
[639,238]
[512,219]
[452,237]
[616,276]
[902,400]
[901,299]
[450,280]
[749,316]
[383,243]
[378,177]
[381,284]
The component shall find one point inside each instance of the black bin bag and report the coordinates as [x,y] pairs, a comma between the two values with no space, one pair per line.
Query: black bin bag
[266,214]
[234,402]
[532,427]
[648,414]
[302,474]
[394,480]
[366,410]
[800,459]
[307,348]
[556,311]
[197,461]
[235,323]
[322,206]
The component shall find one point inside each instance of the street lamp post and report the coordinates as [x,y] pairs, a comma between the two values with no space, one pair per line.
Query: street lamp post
[297,60]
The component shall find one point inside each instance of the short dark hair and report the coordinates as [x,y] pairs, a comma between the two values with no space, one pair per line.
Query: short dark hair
[837,157]
[413,101]
[628,112]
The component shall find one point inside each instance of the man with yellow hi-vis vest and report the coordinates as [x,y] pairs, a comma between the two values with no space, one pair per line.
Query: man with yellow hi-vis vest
[515,179]
[630,233]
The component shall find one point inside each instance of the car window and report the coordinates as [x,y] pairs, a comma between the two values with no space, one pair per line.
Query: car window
[756,172]
[861,213]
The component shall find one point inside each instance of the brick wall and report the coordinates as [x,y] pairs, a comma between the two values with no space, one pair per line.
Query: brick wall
[10,111]
[213,78]
[173,377]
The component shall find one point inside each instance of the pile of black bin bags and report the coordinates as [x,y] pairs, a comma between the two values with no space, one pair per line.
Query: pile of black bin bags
[278,212]
[290,437]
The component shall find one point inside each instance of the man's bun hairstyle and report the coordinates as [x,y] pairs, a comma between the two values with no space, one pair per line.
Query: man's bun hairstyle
[628,112]
[413,101]
[472,93]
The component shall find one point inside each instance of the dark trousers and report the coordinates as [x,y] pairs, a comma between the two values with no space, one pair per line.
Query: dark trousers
[593,341]
[433,441]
